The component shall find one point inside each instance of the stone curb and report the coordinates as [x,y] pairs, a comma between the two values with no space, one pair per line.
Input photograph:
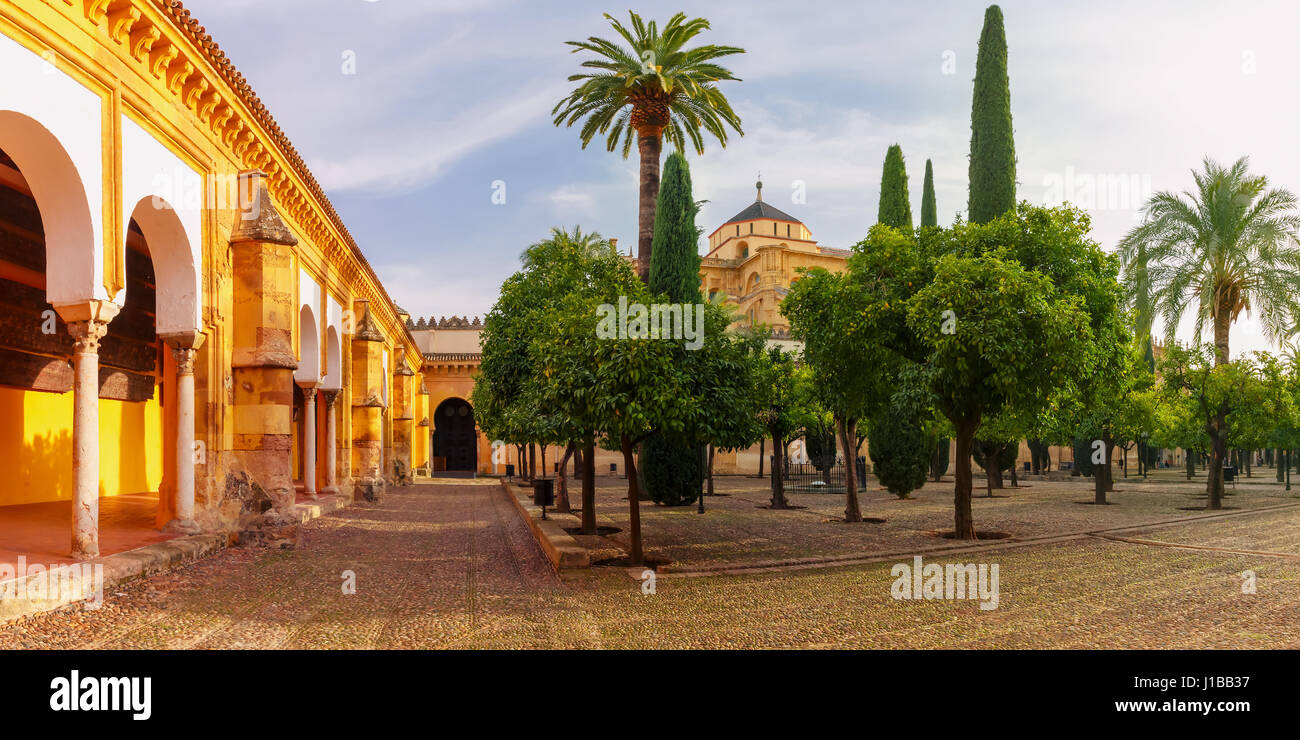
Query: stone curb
[123,567]
[560,548]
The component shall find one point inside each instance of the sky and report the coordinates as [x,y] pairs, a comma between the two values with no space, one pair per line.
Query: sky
[413,113]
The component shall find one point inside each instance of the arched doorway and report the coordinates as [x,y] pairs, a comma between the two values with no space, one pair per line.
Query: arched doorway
[455,443]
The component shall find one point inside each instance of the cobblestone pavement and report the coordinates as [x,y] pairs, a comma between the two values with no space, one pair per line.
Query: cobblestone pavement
[451,565]
[737,530]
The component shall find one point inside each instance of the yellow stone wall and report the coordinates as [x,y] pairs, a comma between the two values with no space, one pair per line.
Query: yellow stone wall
[148,63]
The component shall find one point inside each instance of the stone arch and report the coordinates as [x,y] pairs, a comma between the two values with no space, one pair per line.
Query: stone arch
[308,372]
[164,197]
[51,127]
[455,438]
[57,186]
[179,294]
[333,360]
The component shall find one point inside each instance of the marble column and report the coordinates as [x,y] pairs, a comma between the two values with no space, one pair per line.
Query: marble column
[184,521]
[85,436]
[331,444]
[309,441]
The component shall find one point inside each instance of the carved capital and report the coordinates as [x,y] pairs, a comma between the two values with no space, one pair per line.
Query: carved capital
[185,357]
[86,335]
[331,397]
[308,393]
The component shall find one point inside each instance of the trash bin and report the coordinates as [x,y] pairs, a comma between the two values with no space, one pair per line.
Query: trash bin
[1229,473]
[510,470]
[861,468]
[543,491]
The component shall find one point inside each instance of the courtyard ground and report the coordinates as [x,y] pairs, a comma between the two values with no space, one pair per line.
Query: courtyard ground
[451,565]
[737,531]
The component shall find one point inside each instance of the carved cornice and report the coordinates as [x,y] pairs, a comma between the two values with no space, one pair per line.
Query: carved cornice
[169,44]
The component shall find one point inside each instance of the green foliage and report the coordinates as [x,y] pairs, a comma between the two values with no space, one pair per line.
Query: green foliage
[1003,453]
[992,141]
[994,319]
[1015,339]
[929,207]
[940,459]
[654,82]
[671,468]
[672,471]
[895,205]
[1083,456]
[675,257]
[1040,455]
[1228,246]
[505,396]
[901,450]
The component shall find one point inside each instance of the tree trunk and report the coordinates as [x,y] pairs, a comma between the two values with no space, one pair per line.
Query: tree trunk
[778,480]
[1277,463]
[650,144]
[1218,454]
[963,521]
[635,556]
[543,451]
[1190,461]
[532,461]
[710,471]
[762,443]
[848,432]
[562,486]
[589,487]
[1110,462]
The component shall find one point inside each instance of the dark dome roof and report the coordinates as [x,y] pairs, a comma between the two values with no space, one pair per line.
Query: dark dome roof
[760,210]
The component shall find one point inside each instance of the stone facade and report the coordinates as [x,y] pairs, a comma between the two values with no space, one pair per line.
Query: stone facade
[202,297]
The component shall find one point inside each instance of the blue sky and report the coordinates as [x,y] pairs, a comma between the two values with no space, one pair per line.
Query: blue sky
[1110,100]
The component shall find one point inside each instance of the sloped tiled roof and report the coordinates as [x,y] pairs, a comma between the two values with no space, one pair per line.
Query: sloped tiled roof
[760,210]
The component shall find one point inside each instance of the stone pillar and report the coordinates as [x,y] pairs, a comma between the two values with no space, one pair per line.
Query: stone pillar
[86,333]
[185,348]
[262,359]
[367,406]
[309,441]
[422,431]
[404,419]
[331,444]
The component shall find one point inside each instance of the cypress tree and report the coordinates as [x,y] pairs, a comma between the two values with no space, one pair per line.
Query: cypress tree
[671,468]
[895,206]
[992,143]
[674,252]
[929,210]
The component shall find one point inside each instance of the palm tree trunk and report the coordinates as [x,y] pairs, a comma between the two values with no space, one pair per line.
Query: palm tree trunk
[650,144]
[1221,326]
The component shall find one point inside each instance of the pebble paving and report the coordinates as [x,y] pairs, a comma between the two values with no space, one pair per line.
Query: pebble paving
[451,565]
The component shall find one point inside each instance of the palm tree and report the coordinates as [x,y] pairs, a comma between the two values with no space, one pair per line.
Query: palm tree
[655,89]
[1227,247]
